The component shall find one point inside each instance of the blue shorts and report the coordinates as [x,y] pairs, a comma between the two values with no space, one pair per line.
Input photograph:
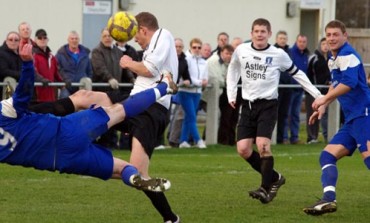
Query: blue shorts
[354,134]
[75,152]
[65,144]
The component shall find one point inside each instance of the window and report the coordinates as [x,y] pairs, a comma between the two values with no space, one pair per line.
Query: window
[355,15]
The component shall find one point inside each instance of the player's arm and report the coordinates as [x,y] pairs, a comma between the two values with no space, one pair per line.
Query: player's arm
[139,68]
[232,78]
[303,80]
[23,92]
[286,64]
[332,94]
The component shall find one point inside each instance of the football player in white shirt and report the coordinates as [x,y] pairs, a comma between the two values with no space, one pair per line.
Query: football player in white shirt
[259,64]
[159,57]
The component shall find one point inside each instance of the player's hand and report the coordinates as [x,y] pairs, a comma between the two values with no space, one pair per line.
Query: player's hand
[317,115]
[186,83]
[25,52]
[232,104]
[321,100]
[113,83]
[125,60]
[313,118]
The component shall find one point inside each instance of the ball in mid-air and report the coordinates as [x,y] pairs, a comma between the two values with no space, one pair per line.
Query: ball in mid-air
[122,26]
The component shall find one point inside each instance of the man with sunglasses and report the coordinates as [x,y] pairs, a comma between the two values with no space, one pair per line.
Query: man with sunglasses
[10,62]
[46,66]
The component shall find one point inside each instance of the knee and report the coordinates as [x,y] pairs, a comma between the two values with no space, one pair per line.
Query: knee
[82,93]
[244,152]
[264,148]
[79,94]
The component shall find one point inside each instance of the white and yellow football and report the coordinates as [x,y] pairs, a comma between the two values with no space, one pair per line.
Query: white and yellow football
[122,26]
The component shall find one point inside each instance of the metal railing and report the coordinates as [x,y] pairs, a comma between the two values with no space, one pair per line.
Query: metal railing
[212,117]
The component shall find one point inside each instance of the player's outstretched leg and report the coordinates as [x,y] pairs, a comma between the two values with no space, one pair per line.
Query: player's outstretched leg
[139,102]
[167,78]
[130,176]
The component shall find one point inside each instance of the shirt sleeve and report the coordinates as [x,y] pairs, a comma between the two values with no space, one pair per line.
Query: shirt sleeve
[24,91]
[232,77]
[349,66]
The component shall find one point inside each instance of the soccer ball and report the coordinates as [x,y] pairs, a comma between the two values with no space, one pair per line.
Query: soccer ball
[122,26]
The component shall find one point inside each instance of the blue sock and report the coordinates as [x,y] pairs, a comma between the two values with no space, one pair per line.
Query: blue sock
[139,102]
[127,172]
[329,175]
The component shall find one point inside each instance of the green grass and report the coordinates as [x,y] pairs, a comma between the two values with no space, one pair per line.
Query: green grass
[207,186]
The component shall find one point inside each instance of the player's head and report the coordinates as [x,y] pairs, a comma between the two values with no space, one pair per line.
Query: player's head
[261,32]
[147,24]
[261,22]
[336,35]
[148,20]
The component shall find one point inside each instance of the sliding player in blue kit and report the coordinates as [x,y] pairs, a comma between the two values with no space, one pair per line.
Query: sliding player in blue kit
[349,86]
[64,144]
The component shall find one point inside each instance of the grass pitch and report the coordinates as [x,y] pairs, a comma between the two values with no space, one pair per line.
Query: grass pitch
[208,185]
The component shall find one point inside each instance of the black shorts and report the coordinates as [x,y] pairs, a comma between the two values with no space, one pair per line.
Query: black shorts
[257,118]
[148,127]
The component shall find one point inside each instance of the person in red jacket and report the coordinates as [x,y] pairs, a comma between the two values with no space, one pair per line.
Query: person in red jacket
[46,67]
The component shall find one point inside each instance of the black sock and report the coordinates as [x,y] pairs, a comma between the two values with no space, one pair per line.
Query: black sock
[267,165]
[60,107]
[255,161]
[160,202]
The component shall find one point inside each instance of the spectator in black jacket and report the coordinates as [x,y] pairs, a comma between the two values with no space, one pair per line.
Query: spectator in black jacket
[178,113]
[319,74]
[284,93]
[10,62]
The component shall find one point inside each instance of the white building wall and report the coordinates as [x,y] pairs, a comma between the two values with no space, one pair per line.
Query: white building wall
[185,19]
[57,17]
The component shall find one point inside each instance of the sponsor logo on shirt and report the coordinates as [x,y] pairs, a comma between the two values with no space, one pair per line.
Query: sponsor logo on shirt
[255,71]
[7,139]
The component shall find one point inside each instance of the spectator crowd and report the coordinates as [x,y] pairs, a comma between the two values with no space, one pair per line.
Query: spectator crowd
[200,67]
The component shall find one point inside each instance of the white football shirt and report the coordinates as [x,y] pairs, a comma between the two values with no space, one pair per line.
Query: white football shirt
[259,71]
[158,57]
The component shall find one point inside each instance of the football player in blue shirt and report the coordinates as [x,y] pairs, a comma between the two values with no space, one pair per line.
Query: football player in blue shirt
[64,144]
[349,86]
